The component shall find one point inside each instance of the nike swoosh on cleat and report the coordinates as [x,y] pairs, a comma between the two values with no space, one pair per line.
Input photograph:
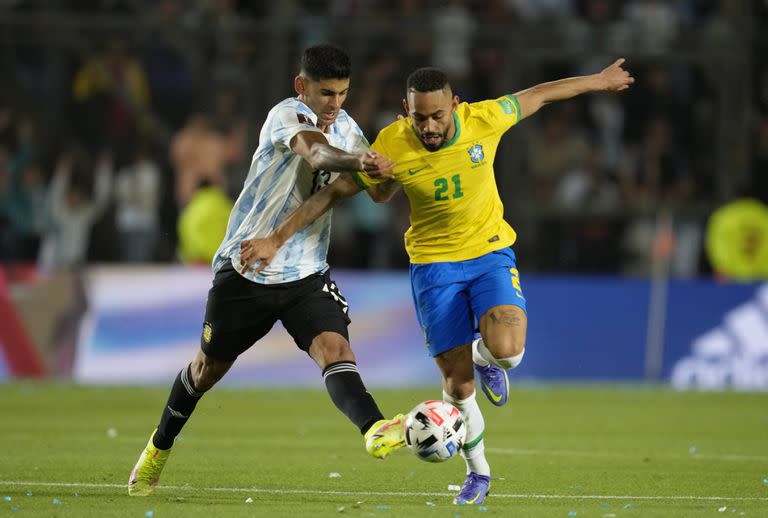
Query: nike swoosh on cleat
[494,397]
[474,499]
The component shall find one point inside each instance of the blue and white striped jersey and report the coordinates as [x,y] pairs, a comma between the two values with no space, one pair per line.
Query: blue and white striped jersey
[278,182]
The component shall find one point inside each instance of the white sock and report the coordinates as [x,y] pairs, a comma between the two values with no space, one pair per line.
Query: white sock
[482,356]
[474,446]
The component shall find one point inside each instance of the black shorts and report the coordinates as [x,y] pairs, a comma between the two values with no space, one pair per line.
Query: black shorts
[239,312]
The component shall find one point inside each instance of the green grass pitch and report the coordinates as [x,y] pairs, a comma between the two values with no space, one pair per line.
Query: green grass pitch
[585,451]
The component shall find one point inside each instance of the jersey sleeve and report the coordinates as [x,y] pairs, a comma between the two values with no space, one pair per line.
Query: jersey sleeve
[289,121]
[501,113]
[354,135]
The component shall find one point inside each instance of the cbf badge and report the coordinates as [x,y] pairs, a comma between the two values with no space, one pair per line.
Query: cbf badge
[476,153]
[207,332]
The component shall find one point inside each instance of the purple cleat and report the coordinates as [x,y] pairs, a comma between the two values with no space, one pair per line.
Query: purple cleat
[494,382]
[474,490]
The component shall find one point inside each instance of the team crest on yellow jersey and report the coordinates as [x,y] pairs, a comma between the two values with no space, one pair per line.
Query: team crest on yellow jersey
[207,332]
[476,153]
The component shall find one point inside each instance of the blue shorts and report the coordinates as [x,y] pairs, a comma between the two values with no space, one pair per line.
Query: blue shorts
[450,297]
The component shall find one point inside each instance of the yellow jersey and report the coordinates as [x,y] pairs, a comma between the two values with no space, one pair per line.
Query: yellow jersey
[456,212]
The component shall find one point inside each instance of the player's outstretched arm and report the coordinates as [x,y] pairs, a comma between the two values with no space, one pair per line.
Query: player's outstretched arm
[314,148]
[611,79]
[264,249]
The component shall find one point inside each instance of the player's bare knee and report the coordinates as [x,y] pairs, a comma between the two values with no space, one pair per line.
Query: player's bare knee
[507,351]
[330,348]
[509,346]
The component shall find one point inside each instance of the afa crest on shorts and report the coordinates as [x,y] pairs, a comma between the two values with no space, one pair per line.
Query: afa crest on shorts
[207,332]
[476,153]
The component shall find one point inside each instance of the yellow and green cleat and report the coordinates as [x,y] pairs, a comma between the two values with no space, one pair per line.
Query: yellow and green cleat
[385,436]
[147,471]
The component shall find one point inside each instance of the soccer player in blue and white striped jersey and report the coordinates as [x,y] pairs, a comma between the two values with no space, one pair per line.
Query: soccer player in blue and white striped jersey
[305,143]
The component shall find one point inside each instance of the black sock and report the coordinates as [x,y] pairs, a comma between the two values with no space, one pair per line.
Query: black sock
[349,395]
[181,402]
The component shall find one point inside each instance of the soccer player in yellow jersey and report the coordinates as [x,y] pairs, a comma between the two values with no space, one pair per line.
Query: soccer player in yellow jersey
[463,272]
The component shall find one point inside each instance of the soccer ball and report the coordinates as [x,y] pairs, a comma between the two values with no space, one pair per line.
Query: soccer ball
[434,431]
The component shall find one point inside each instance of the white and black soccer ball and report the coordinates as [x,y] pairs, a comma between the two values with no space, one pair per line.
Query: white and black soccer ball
[435,431]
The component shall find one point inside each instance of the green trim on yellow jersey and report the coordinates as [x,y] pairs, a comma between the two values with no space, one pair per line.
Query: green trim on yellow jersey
[360,183]
[517,104]
[456,135]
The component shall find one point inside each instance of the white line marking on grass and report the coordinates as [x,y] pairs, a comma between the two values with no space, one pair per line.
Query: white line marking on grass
[381,493]
[623,454]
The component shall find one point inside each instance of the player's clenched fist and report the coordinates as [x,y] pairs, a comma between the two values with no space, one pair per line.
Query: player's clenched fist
[376,166]
[615,78]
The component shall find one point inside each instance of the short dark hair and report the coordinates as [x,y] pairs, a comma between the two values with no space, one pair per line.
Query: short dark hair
[427,79]
[325,61]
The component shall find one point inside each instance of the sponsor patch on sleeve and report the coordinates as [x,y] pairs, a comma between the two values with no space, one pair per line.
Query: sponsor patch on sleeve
[303,119]
[507,106]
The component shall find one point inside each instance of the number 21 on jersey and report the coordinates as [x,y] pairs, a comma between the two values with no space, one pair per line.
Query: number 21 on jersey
[443,188]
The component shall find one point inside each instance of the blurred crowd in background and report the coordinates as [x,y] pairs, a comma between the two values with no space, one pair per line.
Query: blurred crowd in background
[127,126]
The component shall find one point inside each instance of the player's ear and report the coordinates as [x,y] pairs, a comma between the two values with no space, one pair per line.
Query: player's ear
[405,106]
[455,103]
[298,84]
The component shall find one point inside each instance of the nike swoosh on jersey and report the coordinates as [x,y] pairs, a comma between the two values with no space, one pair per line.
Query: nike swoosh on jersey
[414,171]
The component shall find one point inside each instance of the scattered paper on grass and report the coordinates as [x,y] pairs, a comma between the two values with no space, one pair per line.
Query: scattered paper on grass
[692,450]
[609,515]
[431,504]
[7,498]
[56,501]
[482,508]
[382,507]
[111,433]
[606,505]
[29,493]
[340,509]
[572,513]
[149,514]
[249,500]
[454,487]
[722,509]
[334,474]
[627,506]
